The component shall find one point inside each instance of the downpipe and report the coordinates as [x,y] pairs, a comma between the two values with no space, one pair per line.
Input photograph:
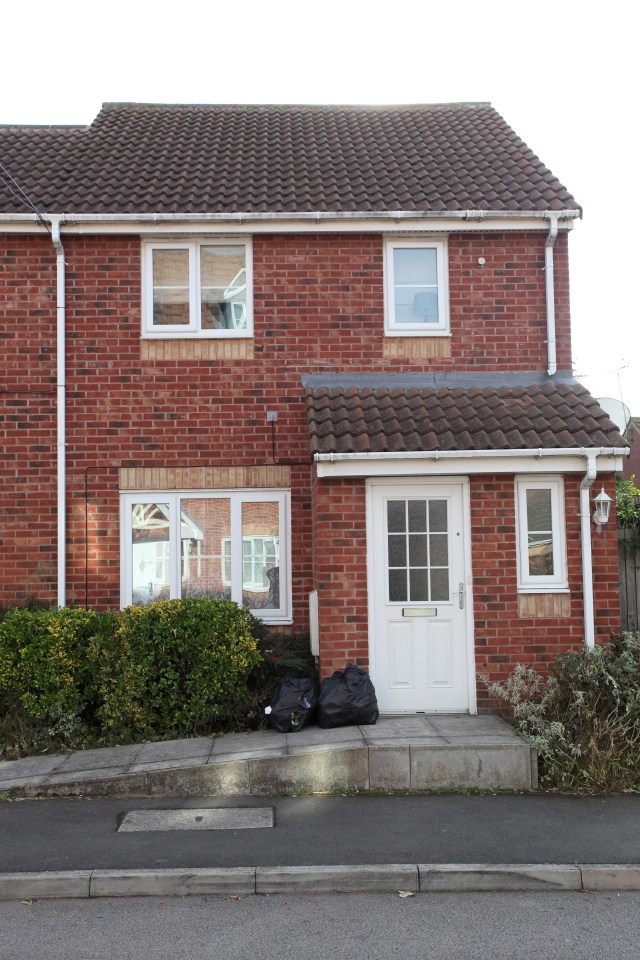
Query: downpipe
[61,387]
[587,564]
[551,303]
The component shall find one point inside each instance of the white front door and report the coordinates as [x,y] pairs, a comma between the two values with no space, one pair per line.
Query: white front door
[419,586]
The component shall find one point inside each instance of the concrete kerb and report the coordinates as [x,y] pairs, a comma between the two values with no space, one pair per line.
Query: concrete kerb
[358,878]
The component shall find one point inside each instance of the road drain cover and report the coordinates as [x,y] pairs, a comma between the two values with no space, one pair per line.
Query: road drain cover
[227,818]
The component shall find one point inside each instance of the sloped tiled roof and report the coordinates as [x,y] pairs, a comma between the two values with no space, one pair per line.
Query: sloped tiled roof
[146,158]
[380,420]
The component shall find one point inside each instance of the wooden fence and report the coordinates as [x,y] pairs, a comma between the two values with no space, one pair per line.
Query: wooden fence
[629,560]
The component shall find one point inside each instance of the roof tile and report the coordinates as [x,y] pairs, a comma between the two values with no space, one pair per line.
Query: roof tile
[150,158]
[556,415]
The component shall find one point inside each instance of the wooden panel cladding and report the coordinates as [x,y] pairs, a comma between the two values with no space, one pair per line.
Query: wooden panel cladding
[537,605]
[205,478]
[218,349]
[418,348]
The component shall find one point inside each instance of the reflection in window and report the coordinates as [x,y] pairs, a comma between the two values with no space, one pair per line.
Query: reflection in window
[417,551]
[149,552]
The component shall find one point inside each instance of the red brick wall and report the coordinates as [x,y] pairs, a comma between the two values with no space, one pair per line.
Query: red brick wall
[318,307]
[503,638]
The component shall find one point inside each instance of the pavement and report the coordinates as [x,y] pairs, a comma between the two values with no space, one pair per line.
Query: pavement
[146,820]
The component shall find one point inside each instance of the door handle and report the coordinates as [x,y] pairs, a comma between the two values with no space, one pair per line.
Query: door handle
[461,595]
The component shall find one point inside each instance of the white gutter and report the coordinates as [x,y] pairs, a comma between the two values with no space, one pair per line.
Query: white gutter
[315,215]
[587,565]
[61,409]
[551,306]
[476,454]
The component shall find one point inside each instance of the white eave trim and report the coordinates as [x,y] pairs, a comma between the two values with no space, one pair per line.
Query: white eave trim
[454,462]
[394,221]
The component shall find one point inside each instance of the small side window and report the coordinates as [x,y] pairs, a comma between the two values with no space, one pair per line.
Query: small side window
[542,562]
[416,288]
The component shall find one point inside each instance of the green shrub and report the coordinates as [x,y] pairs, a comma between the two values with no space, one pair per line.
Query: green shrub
[173,668]
[47,683]
[584,719]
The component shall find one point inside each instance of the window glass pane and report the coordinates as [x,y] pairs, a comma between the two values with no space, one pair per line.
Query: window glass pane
[438,516]
[417,510]
[397,585]
[418,550]
[205,535]
[396,516]
[415,265]
[261,554]
[149,552]
[539,533]
[397,550]
[419,581]
[539,510]
[170,287]
[415,291]
[223,288]
[540,549]
[439,585]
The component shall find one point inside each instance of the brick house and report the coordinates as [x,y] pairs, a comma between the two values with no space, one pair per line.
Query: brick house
[313,359]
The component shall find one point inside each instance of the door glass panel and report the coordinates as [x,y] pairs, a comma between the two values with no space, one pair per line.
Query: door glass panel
[417,550]
[398,586]
[397,550]
[149,552]
[417,510]
[438,516]
[439,585]
[261,554]
[419,583]
[396,516]
[205,538]
[438,549]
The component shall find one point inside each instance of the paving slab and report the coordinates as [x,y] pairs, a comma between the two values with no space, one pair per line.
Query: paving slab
[207,818]
[101,758]
[499,766]
[176,749]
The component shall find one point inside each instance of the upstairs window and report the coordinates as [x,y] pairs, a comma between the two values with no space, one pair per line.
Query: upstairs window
[417,298]
[199,288]
[541,534]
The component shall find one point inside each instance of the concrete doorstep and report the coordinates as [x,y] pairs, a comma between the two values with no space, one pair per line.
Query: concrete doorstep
[365,878]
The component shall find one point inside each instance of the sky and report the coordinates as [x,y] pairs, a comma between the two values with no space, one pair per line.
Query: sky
[562,74]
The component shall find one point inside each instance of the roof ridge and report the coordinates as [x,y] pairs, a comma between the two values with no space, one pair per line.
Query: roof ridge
[373,107]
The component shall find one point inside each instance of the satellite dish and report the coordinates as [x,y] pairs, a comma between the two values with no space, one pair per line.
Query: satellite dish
[617,411]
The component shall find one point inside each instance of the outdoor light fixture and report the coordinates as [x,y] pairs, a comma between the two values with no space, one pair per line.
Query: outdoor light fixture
[602,505]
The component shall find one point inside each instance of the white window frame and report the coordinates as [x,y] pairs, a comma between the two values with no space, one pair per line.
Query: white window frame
[396,329]
[193,328]
[237,498]
[527,582]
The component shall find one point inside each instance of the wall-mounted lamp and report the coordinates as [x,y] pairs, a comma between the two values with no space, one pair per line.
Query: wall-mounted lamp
[602,504]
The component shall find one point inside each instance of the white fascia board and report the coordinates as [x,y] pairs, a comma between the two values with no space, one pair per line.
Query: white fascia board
[399,221]
[456,463]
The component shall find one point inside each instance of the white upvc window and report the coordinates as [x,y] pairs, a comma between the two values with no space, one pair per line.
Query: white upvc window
[233,545]
[416,288]
[542,560]
[197,288]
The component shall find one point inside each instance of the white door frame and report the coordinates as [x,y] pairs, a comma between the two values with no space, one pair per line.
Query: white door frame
[425,482]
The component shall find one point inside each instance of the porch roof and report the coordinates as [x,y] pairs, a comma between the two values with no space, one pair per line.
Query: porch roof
[373,414]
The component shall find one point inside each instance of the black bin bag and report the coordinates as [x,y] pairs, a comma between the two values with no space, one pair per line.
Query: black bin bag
[293,704]
[348,697]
